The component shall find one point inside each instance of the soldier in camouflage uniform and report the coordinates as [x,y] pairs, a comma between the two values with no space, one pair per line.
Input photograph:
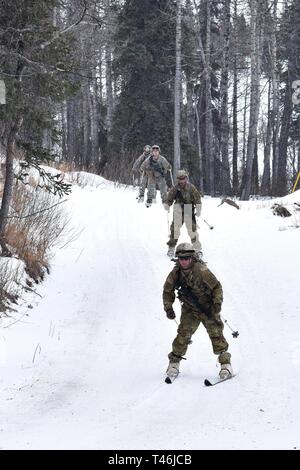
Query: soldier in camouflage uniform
[201,297]
[187,206]
[141,177]
[156,168]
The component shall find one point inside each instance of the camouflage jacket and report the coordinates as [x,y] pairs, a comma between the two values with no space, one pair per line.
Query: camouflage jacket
[199,281]
[139,161]
[187,195]
[155,169]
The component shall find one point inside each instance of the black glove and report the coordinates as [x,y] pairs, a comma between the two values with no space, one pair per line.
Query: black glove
[170,314]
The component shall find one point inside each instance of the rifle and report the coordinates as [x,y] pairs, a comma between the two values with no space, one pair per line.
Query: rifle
[185,294]
[156,167]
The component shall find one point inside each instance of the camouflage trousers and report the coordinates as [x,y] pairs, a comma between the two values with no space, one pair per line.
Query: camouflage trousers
[162,186]
[181,217]
[189,323]
[143,184]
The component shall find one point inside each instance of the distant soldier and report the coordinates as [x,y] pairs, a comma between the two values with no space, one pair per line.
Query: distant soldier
[187,206]
[201,297]
[156,168]
[141,177]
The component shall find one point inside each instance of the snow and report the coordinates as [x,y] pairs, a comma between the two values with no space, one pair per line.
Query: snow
[84,368]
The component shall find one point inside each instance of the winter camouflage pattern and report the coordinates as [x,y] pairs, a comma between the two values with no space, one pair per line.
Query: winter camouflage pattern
[159,182]
[185,249]
[156,178]
[187,199]
[163,164]
[138,162]
[136,170]
[187,195]
[208,291]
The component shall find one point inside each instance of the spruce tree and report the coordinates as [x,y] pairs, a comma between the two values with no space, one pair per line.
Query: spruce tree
[144,69]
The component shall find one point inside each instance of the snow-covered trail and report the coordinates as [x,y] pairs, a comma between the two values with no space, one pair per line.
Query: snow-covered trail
[85,369]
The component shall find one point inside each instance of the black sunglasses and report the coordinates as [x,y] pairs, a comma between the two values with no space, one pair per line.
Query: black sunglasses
[155,148]
[185,257]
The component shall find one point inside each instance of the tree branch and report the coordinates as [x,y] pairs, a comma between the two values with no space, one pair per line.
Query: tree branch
[67,29]
[33,213]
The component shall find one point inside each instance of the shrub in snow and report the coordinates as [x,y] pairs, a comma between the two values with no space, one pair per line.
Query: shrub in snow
[37,222]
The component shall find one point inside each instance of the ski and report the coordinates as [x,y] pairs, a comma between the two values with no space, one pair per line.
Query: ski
[170,378]
[208,383]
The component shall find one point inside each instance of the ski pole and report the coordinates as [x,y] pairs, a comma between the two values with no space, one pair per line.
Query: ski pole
[168,222]
[172,181]
[234,333]
[210,226]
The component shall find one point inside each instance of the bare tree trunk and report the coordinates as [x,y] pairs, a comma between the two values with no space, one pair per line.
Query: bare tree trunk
[266,178]
[275,90]
[177,92]
[94,122]
[235,145]
[71,123]
[8,183]
[281,187]
[109,92]
[46,139]
[190,113]
[209,154]
[254,176]
[200,160]
[254,100]
[225,170]
[63,132]
[197,101]
[245,126]
[85,124]
[15,126]
[109,82]
[100,79]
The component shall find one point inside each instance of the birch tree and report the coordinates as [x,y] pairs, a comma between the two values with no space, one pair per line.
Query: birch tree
[177,91]
[209,154]
[224,126]
[254,99]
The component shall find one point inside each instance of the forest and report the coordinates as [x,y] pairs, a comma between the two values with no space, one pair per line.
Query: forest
[216,84]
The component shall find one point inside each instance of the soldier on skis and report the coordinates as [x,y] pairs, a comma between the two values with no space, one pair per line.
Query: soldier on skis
[201,296]
[156,168]
[187,206]
[139,176]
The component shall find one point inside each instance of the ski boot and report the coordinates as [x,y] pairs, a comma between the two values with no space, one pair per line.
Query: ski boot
[226,371]
[148,202]
[140,199]
[172,372]
[171,252]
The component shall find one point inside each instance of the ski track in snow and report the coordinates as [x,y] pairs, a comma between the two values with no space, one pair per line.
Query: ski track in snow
[85,368]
